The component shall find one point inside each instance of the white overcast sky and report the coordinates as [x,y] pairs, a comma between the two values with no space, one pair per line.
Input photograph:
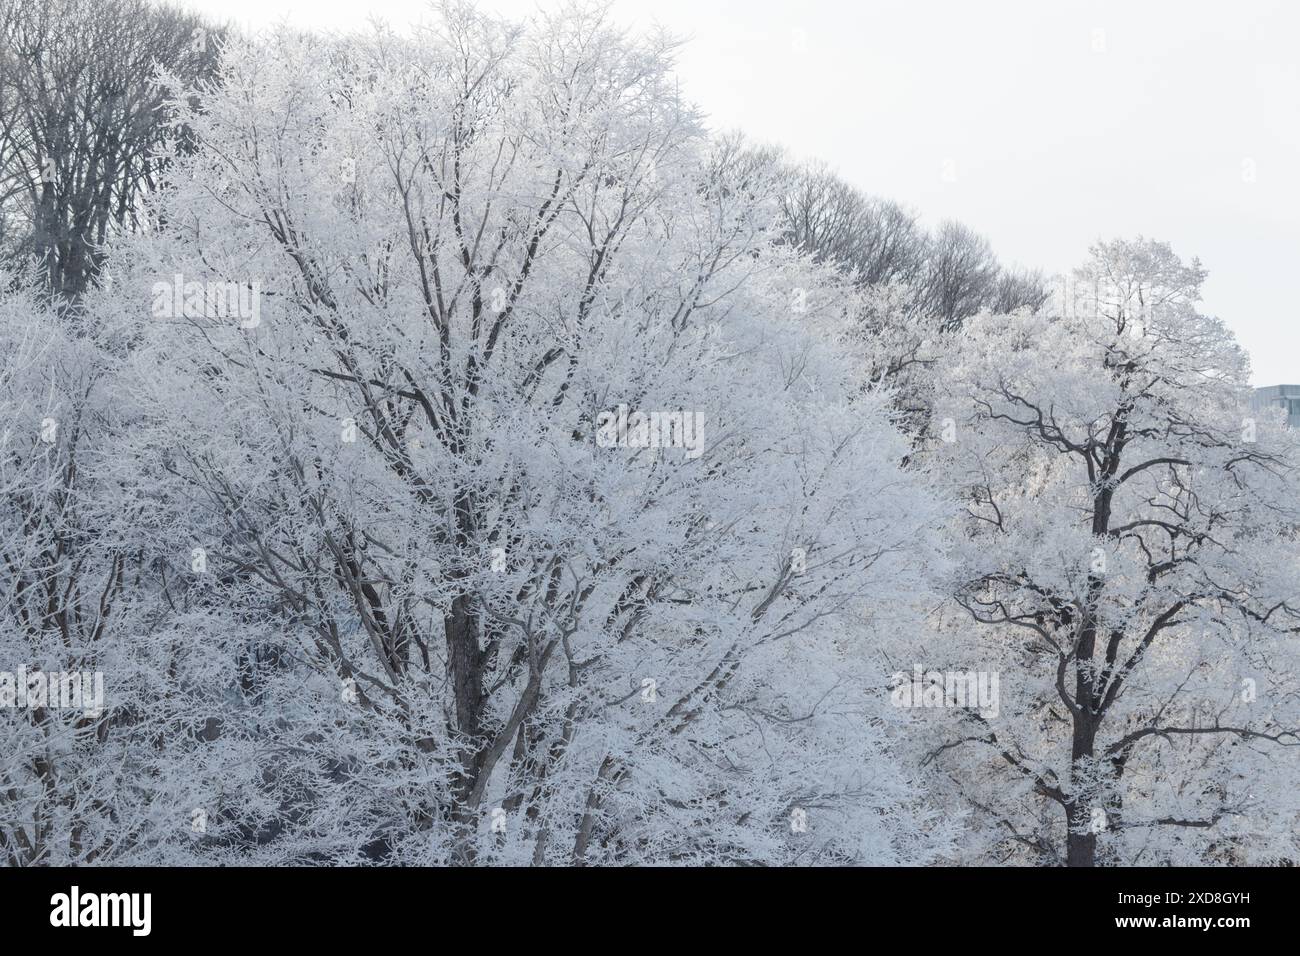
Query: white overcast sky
[1063,121]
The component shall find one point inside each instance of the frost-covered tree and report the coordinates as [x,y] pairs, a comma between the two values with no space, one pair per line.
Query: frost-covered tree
[538,501]
[95,721]
[1129,551]
[458,455]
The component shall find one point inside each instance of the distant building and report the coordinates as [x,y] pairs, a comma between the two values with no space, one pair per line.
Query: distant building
[1279,396]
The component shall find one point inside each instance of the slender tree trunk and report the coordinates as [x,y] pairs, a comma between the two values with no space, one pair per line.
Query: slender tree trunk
[1081,841]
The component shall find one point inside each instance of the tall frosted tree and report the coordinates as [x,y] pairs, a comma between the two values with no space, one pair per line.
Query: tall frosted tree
[535,491]
[1129,551]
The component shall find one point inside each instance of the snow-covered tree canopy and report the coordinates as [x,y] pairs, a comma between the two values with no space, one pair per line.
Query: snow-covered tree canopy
[1130,540]
[459,463]
[398,367]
